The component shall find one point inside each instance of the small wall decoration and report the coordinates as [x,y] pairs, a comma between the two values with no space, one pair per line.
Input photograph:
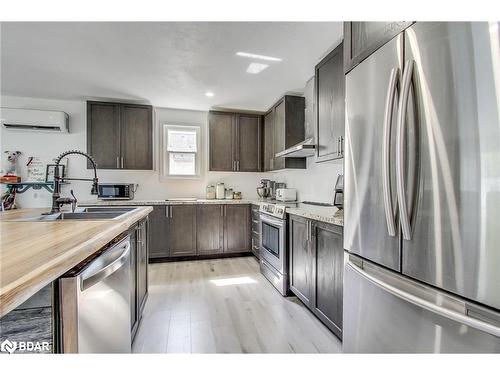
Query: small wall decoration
[12,158]
[49,175]
[36,169]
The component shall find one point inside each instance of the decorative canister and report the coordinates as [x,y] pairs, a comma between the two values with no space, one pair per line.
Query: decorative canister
[210,192]
[220,191]
[229,193]
[237,195]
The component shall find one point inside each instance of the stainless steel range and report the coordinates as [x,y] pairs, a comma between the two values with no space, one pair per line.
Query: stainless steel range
[273,244]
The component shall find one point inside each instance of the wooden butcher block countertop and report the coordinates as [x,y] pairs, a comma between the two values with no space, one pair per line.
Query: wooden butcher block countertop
[33,254]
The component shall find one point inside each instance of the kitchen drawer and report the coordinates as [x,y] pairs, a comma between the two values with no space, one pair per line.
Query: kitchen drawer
[255,225]
[256,246]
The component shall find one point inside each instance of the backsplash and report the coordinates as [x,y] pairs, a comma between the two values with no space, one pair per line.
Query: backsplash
[316,183]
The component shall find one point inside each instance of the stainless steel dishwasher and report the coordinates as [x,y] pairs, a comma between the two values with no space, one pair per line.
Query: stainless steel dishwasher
[93,303]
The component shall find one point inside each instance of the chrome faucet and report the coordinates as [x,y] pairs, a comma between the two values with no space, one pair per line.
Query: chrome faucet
[57,200]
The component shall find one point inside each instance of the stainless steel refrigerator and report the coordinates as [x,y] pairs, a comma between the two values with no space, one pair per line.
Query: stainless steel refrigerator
[422,193]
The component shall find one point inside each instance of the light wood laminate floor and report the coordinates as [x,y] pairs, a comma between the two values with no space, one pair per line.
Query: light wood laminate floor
[225,306]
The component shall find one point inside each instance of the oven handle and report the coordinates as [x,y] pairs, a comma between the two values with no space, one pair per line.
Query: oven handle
[267,219]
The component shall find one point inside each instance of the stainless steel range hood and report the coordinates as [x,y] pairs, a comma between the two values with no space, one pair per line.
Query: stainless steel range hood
[300,150]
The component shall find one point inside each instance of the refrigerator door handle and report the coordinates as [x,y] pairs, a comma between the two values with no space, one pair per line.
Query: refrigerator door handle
[400,156]
[386,164]
[428,305]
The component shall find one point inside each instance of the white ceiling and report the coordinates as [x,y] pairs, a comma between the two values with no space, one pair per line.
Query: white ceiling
[167,64]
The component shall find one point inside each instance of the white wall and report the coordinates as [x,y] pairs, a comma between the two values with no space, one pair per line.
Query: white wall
[315,183]
[49,145]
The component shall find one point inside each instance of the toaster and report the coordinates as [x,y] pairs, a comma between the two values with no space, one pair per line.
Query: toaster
[286,195]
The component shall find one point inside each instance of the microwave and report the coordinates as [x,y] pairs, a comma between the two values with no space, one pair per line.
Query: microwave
[116,191]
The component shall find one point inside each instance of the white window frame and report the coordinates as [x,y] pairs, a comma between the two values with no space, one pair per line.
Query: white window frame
[165,153]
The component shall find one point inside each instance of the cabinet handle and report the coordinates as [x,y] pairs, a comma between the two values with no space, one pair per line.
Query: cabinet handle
[341,145]
[122,161]
[338,146]
[221,210]
[171,212]
[166,211]
[117,162]
[238,165]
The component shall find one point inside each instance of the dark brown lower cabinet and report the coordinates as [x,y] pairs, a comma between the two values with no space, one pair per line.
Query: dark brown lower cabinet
[182,230]
[328,255]
[139,241]
[210,229]
[316,268]
[158,219]
[190,230]
[236,228]
[301,261]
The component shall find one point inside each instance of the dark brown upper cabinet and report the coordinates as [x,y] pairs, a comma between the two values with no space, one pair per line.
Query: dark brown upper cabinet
[286,119]
[330,106]
[120,135]
[235,141]
[361,39]
[268,141]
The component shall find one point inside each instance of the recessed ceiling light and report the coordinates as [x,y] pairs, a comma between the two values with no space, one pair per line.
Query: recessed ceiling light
[259,57]
[256,68]
[209,94]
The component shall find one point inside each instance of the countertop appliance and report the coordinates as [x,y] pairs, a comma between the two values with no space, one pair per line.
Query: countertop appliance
[338,197]
[116,191]
[264,190]
[421,208]
[286,195]
[93,303]
[273,249]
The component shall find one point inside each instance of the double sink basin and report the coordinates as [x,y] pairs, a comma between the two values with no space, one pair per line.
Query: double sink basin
[87,213]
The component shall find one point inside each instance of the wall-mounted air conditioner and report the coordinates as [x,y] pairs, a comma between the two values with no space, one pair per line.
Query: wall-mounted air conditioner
[34,119]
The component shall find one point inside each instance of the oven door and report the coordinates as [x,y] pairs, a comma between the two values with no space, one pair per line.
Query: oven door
[272,241]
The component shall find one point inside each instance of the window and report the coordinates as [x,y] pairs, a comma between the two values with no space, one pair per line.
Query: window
[181,156]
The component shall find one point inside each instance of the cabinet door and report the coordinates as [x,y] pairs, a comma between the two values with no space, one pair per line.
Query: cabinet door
[249,143]
[301,262]
[361,39]
[103,134]
[268,141]
[136,127]
[236,228]
[328,257]
[182,230]
[134,316]
[209,229]
[159,227]
[279,134]
[142,265]
[221,138]
[330,93]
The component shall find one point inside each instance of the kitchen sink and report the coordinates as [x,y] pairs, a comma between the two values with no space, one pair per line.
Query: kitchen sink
[87,213]
[106,209]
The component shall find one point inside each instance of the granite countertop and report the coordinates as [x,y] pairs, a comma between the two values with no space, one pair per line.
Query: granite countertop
[155,202]
[33,254]
[330,215]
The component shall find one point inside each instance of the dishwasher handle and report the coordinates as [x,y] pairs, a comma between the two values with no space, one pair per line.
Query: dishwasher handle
[109,266]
